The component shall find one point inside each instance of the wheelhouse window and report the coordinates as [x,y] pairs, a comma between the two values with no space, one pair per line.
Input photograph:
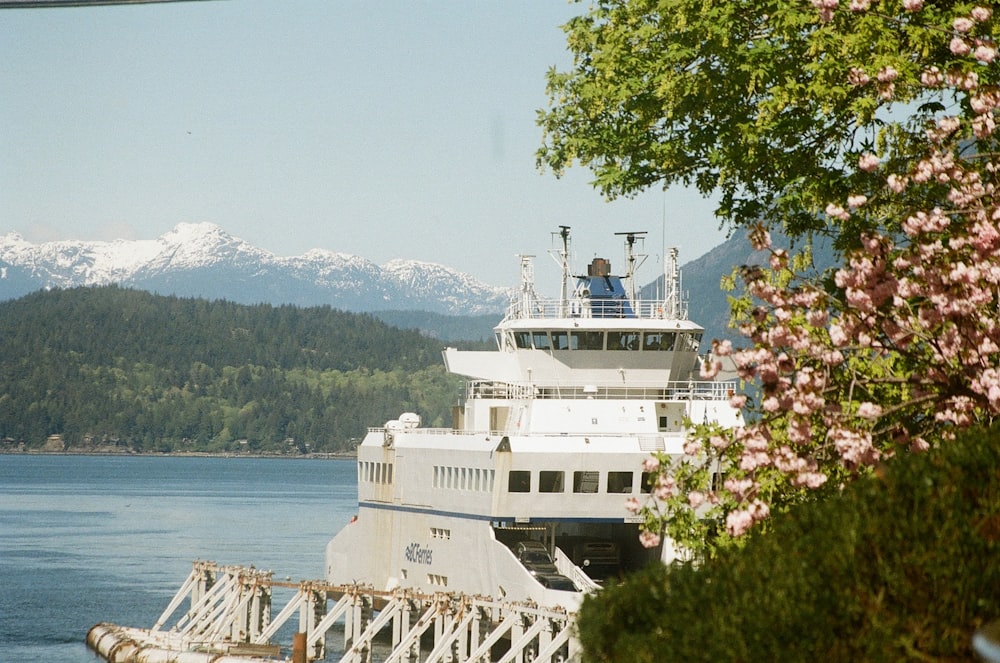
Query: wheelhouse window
[658,341]
[522,339]
[623,340]
[689,342]
[519,481]
[585,482]
[541,340]
[619,482]
[551,481]
[560,340]
[587,340]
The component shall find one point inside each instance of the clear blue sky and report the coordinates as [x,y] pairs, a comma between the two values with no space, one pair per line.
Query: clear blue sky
[383,129]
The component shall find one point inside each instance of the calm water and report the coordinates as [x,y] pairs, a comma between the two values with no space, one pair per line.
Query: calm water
[86,539]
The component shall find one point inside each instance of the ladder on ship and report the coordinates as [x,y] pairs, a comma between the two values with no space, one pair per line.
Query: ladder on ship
[228,620]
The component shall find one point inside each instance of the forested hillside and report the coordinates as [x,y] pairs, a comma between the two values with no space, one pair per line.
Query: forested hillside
[110,367]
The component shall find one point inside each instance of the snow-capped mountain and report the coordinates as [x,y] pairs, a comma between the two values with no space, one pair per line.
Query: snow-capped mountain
[202,260]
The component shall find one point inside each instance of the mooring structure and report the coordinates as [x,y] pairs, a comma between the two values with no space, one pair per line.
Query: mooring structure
[228,619]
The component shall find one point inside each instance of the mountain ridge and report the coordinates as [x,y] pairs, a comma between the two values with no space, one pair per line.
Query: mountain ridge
[203,260]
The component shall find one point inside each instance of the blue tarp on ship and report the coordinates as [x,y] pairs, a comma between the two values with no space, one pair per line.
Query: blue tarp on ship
[607,297]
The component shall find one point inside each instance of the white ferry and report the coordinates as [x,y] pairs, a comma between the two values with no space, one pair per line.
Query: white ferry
[524,498]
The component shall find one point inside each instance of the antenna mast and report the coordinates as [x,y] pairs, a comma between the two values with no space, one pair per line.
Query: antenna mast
[528,296]
[563,261]
[671,285]
[631,257]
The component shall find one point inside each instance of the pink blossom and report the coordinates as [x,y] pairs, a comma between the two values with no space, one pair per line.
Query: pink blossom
[913,5]
[868,162]
[817,317]
[811,480]
[722,348]
[696,498]
[665,487]
[984,102]
[632,505]
[739,488]
[738,401]
[959,46]
[932,77]
[897,183]
[835,211]
[981,14]
[857,77]
[651,464]
[738,522]
[869,411]
[986,53]
[983,125]
[962,24]
[963,80]
[760,239]
[949,124]
[856,200]
[837,335]
[649,539]
[860,5]
[887,74]
[719,442]
[709,369]
[825,8]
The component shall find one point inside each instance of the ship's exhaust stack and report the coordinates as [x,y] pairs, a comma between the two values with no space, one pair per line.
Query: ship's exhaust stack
[599,267]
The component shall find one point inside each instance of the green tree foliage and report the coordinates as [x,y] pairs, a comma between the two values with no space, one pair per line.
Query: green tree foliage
[901,566]
[113,366]
[871,121]
[756,100]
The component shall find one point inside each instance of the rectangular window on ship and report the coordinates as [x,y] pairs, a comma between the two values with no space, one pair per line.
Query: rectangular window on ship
[550,481]
[519,481]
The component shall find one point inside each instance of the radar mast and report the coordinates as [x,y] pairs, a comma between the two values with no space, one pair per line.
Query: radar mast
[562,257]
[631,258]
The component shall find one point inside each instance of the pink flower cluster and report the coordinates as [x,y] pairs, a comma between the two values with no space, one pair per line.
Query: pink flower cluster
[929,301]
[983,49]
[904,346]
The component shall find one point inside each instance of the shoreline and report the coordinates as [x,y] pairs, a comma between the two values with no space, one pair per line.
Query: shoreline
[338,455]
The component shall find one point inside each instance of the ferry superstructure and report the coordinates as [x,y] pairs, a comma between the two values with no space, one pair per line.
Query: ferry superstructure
[545,448]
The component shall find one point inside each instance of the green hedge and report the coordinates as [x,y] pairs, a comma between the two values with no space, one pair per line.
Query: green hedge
[903,566]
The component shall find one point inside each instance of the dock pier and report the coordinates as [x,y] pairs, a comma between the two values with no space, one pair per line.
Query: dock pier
[228,619]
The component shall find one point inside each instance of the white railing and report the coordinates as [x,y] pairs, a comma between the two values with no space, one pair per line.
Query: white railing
[541,309]
[682,390]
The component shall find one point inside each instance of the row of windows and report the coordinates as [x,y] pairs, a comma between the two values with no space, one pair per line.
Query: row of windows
[440,533]
[374,472]
[586,481]
[464,478]
[518,481]
[612,340]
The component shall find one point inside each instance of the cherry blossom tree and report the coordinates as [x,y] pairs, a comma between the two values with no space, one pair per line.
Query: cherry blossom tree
[899,346]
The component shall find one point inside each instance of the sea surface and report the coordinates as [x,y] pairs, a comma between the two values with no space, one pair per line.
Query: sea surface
[89,539]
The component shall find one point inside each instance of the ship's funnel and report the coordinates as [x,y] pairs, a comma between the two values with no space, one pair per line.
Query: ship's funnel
[599,267]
